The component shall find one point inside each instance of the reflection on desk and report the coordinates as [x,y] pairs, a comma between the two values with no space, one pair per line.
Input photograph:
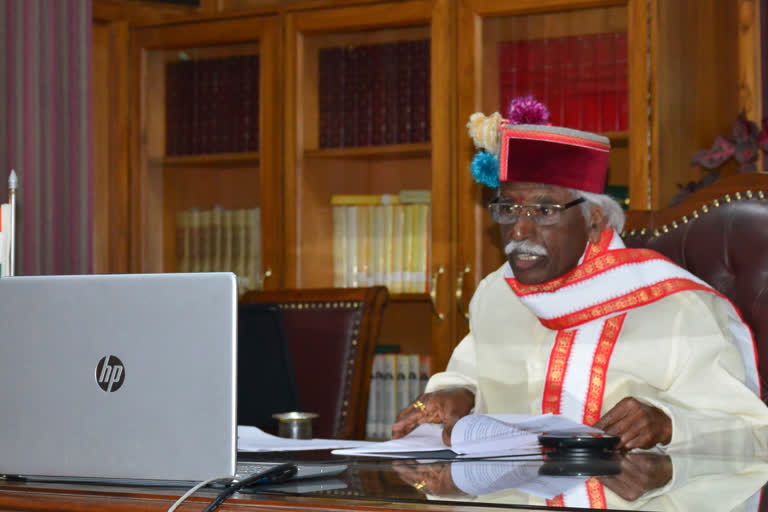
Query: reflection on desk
[643,481]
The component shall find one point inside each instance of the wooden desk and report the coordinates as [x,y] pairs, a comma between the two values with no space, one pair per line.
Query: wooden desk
[78,498]
[643,482]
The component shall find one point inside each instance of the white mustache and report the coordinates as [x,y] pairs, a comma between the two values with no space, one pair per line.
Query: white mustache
[524,246]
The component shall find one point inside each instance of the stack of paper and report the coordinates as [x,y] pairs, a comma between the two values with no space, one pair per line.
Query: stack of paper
[476,435]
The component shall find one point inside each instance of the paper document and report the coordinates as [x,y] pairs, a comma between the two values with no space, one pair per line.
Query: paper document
[475,435]
[477,478]
[252,439]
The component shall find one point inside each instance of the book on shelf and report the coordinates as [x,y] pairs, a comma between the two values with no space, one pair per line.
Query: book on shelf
[395,384]
[220,240]
[373,94]
[582,79]
[212,105]
[382,239]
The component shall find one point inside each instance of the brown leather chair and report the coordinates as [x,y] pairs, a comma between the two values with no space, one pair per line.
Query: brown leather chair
[331,334]
[719,234]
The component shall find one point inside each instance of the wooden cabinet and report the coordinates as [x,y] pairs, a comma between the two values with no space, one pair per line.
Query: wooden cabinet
[672,96]
[421,322]
[679,90]
[185,162]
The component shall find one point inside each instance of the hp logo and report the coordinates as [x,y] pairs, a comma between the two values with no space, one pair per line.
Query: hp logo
[110,373]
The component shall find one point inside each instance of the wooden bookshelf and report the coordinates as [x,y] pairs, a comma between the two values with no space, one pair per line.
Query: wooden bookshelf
[314,173]
[678,100]
[384,152]
[211,160]
[188,179]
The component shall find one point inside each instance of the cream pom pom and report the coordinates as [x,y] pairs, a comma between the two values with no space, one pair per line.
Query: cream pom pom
[485,131]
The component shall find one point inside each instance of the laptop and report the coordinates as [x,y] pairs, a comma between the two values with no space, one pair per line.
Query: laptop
[119,377]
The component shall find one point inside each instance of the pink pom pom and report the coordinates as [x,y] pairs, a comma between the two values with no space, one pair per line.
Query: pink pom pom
[527,110]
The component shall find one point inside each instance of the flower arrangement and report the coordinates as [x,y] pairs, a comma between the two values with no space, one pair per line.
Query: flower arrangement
[744,144]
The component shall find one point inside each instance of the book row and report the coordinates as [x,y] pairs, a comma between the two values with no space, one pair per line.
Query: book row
[396,381]
[381,244]
[374,94]
[212,105]
[582,79]
[220,240]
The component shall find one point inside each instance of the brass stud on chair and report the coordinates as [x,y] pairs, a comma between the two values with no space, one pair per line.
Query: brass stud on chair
[760,194]
[665,229]
[716,203]
[749,194]
[624,234]
[695,214]
[656,233]
[643,232]
[727,198]
[737,195]
[674,225]
[685,219]
[633,232]
[705,208]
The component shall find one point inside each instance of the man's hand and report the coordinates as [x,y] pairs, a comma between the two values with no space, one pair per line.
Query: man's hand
[638,425]
[446,406]
[640,472]
[433,479]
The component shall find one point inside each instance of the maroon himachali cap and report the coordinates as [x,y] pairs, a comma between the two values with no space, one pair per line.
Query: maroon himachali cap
[536,152]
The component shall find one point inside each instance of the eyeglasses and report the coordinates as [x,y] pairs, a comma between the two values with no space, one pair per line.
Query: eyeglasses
[540,214]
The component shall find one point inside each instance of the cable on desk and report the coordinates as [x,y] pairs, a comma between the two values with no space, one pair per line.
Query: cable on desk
[196,488]
[274,475]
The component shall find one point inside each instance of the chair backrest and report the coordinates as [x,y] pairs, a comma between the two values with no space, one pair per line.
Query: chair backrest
[331,334]
[722,240]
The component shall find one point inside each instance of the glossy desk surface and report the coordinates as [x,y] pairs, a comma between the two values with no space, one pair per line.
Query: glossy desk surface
[633,481]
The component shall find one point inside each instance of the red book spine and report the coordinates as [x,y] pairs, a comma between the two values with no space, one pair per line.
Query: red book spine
[419,93]
[606,65]
[571,76]
[172,108]
[377,56]
[337,98]
[537,69]
[324,72]
[351,97]
[556,58]
[621,80]
[589,85]
[364,94]
[404,82]
[391,94]
[254,138]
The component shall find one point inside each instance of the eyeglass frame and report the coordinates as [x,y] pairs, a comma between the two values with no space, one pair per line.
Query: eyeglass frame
[560,208]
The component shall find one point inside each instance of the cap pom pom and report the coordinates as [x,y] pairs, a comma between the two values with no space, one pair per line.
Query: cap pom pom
[485,169]
[485,131]
[527,110]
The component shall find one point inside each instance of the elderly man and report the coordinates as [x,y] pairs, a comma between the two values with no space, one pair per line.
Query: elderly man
[576,324]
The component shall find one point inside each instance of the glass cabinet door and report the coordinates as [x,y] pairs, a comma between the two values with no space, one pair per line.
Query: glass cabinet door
[207,189]
[574,61]
[367,160]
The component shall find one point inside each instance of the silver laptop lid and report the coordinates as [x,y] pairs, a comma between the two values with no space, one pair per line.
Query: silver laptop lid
[118,376]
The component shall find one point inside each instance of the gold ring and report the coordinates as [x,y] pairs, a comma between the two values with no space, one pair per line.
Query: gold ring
[418,404]
[420,485]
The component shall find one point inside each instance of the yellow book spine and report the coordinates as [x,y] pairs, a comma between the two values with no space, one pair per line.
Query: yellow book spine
[339,246]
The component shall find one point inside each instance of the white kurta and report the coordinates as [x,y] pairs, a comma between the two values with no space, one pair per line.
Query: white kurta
[674,353]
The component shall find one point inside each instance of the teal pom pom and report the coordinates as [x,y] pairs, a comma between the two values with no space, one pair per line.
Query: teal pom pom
[485,169]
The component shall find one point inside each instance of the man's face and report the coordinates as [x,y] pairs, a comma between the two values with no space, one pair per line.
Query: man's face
[556,248]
